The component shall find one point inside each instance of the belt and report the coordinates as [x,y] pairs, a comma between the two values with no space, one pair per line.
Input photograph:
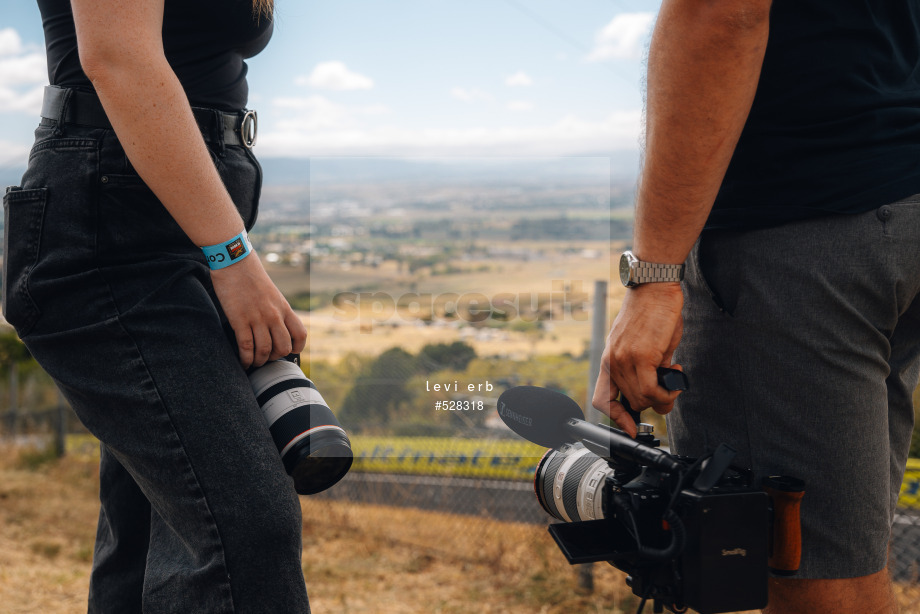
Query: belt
[72,106]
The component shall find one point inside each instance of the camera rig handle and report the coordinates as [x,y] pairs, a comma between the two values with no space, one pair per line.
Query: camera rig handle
[786,542]
[669,379]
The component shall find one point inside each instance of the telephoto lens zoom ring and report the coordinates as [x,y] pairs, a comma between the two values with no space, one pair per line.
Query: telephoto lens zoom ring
[313,445]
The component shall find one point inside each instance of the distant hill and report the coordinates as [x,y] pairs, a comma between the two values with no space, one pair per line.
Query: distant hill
[621,166]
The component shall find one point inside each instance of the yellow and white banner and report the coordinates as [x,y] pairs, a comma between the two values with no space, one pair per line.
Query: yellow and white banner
[910,485]
[475,458]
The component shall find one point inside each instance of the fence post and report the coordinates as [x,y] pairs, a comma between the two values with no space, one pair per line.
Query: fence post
[14,396]
[596,350]
[60,432]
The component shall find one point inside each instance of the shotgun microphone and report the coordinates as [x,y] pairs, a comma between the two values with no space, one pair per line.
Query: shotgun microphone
[551,419]
[538,414]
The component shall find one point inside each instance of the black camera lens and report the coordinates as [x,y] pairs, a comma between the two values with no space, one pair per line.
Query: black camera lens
[313,445]
[569,483]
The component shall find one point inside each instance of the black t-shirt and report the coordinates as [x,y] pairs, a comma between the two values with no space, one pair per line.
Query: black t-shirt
[205,41]
[835,124]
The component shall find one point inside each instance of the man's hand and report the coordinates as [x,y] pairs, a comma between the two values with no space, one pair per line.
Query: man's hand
[644,337]
[265,326]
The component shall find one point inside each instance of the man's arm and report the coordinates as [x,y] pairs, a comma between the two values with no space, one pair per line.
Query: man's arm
[121,51]
[703,69]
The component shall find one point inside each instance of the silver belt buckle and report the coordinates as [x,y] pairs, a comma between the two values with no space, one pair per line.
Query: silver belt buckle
[249,128]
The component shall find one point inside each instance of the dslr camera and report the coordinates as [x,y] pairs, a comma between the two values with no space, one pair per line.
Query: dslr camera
[690,533]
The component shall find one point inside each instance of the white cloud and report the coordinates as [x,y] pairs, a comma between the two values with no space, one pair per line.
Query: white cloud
[13,154]
[374,109]
[347,136]
[335,76]
[519,79]
[23,73]
[519,105]
[29,101]
[24,69]
[312,113]
[316,113]
[622,38]
[10,42]
[470,95]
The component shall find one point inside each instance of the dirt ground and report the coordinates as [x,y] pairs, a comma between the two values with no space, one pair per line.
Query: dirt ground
[358,559]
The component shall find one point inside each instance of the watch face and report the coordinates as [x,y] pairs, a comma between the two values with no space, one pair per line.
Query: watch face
[625,268]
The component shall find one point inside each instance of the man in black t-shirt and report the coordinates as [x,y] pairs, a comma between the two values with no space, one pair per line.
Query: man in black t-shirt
[782,157]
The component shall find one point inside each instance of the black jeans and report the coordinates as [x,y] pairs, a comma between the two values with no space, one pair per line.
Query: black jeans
[116,304]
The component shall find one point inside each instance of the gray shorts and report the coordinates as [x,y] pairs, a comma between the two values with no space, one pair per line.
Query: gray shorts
[802,346]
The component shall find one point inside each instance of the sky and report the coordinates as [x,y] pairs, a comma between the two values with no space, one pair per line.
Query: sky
[410,78]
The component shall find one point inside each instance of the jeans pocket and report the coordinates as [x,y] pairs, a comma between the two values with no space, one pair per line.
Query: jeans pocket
[23,215]
[250,220]
[135,226]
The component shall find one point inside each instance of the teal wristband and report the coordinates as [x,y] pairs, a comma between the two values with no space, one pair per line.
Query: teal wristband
[229,252]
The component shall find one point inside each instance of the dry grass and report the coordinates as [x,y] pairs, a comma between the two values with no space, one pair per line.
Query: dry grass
[48,519]
[331,337]
[379,559]
[357,559]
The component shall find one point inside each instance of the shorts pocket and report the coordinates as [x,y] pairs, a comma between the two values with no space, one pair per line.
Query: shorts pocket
[23,216]
[712,273]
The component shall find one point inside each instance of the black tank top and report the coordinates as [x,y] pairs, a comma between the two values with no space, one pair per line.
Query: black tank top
[835,124]
[206,43]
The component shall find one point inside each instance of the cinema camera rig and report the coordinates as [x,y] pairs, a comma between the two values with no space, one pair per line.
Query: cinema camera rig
[690,533]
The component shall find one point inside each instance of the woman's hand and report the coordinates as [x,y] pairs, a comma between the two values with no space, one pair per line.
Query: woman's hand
[265,326]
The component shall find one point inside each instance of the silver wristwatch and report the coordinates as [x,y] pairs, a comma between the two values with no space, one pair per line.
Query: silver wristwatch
[634,272]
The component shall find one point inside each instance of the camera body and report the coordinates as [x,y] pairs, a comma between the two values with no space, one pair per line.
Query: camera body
[690,533]
[717,562]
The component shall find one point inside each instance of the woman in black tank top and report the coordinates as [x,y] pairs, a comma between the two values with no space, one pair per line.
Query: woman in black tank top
[142,158]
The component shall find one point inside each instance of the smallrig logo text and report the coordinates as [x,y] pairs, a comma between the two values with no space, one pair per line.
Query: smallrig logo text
[564,300]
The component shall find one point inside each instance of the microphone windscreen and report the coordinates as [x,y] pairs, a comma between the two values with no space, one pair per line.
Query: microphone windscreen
[538,414]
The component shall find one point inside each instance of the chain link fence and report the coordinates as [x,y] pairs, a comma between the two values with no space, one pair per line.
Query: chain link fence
[467,494]
[480,476]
